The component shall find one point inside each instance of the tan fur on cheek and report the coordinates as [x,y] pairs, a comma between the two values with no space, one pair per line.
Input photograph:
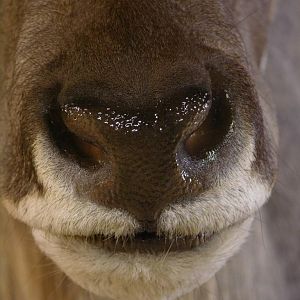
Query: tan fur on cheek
[60,210]
[216,209]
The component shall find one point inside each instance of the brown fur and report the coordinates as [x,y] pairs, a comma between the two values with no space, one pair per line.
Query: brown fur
[27,275]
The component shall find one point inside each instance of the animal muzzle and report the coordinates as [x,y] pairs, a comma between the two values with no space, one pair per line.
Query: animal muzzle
[143,156]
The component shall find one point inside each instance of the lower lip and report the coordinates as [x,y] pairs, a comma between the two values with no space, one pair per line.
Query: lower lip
[146,243]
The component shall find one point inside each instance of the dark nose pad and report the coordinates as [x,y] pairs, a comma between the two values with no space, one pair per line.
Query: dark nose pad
[140,145]
[210,134]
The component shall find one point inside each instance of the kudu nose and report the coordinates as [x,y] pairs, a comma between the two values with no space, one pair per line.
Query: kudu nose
[139,146]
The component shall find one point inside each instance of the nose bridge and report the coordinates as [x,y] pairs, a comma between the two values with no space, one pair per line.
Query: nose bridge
[142,145]
[145,171]
[146,153]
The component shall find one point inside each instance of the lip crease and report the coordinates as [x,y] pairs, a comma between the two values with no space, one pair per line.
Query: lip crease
[146,242]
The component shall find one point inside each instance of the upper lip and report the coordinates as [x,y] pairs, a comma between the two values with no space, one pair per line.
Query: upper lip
[146,242]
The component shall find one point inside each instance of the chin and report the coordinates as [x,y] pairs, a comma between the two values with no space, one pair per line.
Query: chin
[142,274]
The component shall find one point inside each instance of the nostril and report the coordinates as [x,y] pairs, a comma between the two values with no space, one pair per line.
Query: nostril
[76,146]
[89,152]
[212,132]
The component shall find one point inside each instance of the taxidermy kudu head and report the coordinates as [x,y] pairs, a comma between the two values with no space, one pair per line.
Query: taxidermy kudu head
[138,137]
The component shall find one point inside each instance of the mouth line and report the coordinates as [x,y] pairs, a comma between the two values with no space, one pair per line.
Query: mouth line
[145,242]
